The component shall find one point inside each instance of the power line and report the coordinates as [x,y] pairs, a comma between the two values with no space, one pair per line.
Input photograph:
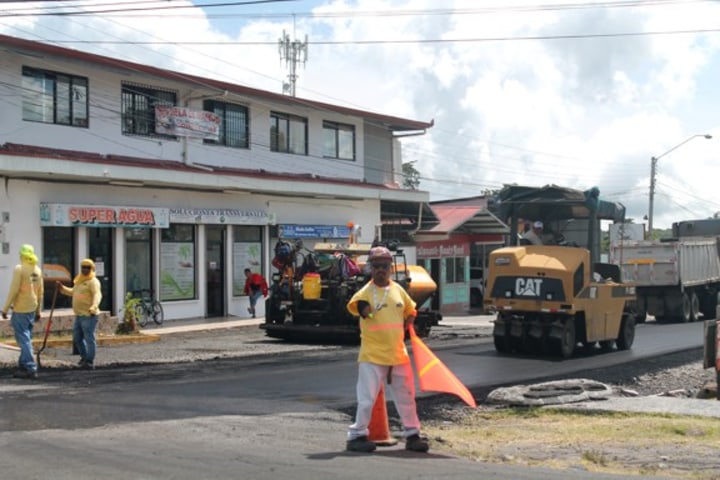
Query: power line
[124,10]
[404,41]
[360,13]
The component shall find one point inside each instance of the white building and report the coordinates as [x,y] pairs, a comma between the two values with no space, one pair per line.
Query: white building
[94,164]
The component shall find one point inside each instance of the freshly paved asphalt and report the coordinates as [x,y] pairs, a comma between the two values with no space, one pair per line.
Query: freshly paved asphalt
[710,408]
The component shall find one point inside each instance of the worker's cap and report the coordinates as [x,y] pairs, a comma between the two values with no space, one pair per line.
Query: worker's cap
[538,224]
[27,254]
[86,262]
[379,255]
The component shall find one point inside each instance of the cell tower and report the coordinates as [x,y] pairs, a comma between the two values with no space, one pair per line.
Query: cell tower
[293,52]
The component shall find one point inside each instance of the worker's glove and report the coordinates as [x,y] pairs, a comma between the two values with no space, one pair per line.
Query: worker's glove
[93,310]
[364,309]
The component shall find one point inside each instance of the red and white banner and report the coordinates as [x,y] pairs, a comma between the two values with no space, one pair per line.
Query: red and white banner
[184,122]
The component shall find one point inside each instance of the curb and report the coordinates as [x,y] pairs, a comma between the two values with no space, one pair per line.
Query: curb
[101,340]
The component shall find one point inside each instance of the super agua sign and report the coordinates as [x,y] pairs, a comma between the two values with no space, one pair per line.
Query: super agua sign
[103,216]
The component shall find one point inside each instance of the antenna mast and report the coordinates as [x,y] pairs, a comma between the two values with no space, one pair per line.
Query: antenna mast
[293,52]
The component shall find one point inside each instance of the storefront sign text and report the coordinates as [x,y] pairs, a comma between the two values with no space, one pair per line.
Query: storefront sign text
[63,215]
[230,216]
[441,251]
[313,231]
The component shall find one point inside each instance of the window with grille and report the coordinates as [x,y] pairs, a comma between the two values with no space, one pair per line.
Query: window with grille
[234,124]
[138,109]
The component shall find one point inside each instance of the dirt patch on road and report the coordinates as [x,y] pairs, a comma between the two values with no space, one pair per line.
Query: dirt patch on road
[661,445]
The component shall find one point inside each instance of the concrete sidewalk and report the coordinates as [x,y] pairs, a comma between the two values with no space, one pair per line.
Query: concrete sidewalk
[9,353]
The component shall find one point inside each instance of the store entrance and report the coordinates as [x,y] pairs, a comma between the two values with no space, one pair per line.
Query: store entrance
[215,270]
[100,247]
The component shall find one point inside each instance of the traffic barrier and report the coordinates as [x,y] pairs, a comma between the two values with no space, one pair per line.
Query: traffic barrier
[379,427]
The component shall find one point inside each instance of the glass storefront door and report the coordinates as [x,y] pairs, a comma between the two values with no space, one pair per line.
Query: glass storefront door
[100,246]
[215,269]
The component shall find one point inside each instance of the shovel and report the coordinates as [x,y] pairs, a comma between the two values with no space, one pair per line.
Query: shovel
[47,327]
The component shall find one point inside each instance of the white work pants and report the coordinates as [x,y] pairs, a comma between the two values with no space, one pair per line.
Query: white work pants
[371,377]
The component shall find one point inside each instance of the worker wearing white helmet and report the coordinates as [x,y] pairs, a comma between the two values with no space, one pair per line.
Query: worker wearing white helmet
[534,236]
[385,310]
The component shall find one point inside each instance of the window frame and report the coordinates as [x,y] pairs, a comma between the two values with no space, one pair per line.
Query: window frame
[131,123]
[287,120]
[248,244]
[336,129]
[242,134]
[178,244]
[77,114]
[455,270]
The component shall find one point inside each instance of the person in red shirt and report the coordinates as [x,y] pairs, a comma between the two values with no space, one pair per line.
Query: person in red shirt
[255,287]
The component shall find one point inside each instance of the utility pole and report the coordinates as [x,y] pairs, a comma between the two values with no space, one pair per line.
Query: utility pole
[293,52]
[653,169]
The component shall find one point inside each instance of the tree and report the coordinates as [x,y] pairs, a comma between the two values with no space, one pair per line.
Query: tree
[411,176]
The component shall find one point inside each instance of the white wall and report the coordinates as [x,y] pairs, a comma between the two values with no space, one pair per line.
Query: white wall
[22,199]
[104,135]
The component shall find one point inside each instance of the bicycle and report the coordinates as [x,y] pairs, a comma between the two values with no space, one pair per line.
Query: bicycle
[148,308]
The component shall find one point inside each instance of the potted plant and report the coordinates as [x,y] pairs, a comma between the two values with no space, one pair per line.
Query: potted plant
[128,324]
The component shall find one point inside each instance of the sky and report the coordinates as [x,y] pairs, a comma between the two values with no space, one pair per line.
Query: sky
[579,94]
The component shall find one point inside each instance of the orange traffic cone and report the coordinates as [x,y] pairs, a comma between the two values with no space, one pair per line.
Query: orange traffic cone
[379,427]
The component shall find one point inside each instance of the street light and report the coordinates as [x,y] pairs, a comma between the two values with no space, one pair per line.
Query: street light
[653,164]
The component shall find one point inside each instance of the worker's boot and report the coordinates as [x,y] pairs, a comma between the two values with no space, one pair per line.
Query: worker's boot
[416,443]
[360,444]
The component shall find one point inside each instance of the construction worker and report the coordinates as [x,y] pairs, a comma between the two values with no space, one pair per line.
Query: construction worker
[385,310]
[535,236]
[86,296]
[25,299]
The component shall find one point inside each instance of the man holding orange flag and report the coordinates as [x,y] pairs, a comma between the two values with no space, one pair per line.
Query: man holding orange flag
[385,310]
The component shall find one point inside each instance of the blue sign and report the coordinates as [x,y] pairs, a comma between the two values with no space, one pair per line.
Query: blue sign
[313,231]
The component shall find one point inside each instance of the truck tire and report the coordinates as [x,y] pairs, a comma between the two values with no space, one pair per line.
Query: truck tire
[273,314]
[694,307]
[641,310]
[708,304]
[502,343]
[690,307]
[568,340]
[626,337]
[686,312]
[501,335]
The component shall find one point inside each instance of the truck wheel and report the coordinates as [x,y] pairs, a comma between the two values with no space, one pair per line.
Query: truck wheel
[694,307]
[272,313]
[567,340]
[686,314]
[708,304]
[502,343]
[627,333]
[641,314]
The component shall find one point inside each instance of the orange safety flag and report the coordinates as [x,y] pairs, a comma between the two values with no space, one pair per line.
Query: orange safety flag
[433,375]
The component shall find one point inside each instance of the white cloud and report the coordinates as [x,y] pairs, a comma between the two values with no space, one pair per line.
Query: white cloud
[577,112]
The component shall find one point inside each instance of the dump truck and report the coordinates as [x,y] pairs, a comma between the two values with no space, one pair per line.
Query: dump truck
[552,297]
[310,289]
[678,278]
